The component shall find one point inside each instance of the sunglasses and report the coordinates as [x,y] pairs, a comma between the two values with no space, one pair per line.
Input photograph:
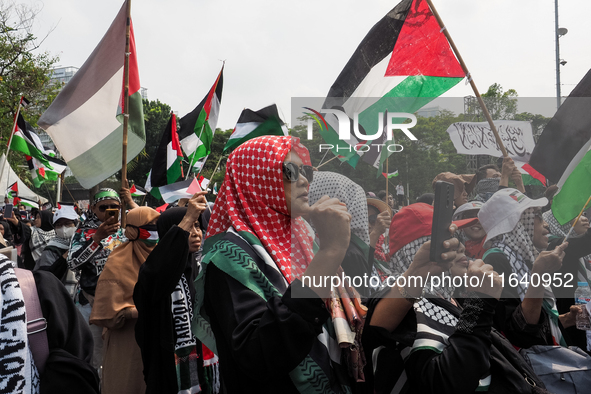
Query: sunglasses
[292,172]
[103,208]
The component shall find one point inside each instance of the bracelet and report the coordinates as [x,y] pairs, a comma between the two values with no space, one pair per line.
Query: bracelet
[408,297]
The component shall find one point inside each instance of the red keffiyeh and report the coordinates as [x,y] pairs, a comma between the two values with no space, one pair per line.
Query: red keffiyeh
[252,199]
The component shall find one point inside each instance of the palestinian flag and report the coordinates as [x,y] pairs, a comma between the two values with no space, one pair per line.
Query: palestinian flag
[28,203]
[137,191]
[26,140]
[565,136]
[215,188]
[253,124]
[85,120]
[183,189]
[562,153]
[41,173]
[390,175]
[198,126]
[403,63]
[203,182]
[167,166]
[12,190]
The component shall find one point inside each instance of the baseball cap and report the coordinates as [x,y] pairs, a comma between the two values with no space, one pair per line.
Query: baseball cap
[501,213]
[413,222]
[469,206]
[65,211]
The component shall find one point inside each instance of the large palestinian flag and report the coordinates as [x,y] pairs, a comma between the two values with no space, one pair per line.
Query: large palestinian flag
[253,124]
[167,167]
[198,126]
[403,63]
[83,120]
[563,154]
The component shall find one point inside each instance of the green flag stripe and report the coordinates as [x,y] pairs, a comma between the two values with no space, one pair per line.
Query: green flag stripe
[573,195]
[270,126]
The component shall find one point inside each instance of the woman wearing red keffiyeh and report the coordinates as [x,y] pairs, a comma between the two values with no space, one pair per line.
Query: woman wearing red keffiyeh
[258,247]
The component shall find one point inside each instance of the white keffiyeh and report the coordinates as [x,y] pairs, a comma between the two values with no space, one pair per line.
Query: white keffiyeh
[18,373]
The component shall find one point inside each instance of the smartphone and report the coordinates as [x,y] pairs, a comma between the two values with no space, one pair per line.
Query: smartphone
[113,212]
[8,210]
[442,214]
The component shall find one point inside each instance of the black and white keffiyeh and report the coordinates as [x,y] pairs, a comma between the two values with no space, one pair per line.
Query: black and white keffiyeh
[18,373]
[485,188]
[339,186]
[561,230]
[517,245]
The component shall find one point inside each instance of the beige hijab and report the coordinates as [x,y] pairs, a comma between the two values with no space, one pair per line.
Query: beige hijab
[114,291]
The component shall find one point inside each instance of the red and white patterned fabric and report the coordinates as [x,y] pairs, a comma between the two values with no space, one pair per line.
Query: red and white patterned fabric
[252,199]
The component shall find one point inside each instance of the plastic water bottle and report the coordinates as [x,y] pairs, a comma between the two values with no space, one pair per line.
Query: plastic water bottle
[582,297]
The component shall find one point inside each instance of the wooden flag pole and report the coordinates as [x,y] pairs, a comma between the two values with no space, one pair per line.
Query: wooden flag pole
[18,111]
[125,110]
[474,88]
[326,162]
[216,167]
[577,219]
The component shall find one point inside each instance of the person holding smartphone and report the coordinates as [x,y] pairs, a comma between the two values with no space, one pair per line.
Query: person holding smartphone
[422,339]
[93,242]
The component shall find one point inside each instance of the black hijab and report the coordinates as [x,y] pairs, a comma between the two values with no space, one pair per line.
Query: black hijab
[46,220]
[169,218]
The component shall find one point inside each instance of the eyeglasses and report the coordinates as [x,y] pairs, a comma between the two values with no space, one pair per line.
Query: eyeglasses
[470,214]
[103,208]
[292,172]
[538,215]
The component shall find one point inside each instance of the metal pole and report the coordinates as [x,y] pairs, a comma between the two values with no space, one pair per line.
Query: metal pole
[558,100]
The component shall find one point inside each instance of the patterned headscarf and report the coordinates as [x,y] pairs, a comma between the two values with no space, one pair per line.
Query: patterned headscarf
[105,194]
[518,245]
[252,200]
[339,186]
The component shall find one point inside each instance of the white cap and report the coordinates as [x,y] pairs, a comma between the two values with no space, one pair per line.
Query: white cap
[501,213]
[65,211]
[469,206]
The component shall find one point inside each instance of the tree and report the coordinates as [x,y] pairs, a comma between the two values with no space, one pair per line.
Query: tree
[22,72]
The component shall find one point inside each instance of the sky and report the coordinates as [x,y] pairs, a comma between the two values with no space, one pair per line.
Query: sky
[276,50]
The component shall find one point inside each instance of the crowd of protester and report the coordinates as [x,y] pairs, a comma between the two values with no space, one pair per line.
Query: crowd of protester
[231,297]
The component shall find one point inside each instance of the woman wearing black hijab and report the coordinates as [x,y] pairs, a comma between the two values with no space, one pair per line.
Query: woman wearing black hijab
[34,239]
[164,296]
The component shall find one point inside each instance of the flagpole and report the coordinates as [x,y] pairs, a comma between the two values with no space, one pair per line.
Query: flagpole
[58,196]
[326,162]
[216,167]
[18,111]
[193,156]
[577,219]
[125,109]
[474,88]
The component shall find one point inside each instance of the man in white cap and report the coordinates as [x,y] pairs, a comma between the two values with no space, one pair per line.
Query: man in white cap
[53,258]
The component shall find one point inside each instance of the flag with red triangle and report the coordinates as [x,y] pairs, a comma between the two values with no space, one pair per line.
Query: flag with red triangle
[12,190]
[403,63]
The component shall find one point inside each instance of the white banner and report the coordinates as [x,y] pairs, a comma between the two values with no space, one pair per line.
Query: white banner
[471,138]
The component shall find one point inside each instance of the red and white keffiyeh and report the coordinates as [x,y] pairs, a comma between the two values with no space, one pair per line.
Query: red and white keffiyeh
[252,199]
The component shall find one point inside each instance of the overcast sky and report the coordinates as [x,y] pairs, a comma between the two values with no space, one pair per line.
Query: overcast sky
[275,50]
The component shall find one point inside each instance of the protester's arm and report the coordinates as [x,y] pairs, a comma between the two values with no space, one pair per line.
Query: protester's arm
[468,351]
[82,249]
[392,308]
[21,233]
[510,171]
[126,196]
[509,317]
[546,262]
[383,221]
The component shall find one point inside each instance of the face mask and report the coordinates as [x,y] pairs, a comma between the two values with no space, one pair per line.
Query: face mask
[65,232]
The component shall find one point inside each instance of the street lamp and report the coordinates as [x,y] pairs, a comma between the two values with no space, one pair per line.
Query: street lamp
[560,31]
